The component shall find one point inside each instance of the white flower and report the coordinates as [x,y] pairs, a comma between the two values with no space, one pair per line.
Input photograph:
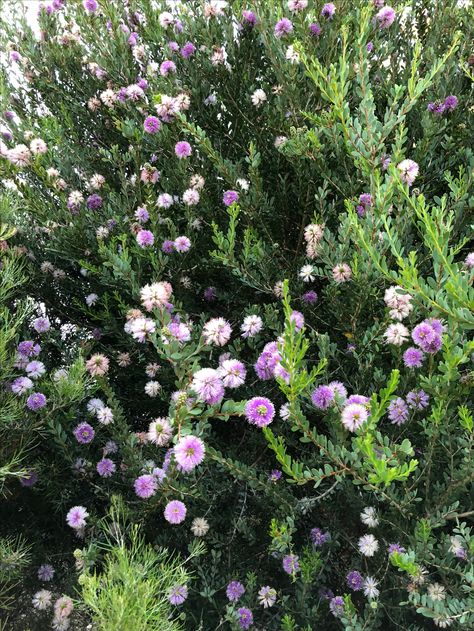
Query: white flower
[152,388]
[141,327]
[285,411]
[97,181]
[108,97]
[102,232]
[306,273]
[165,19]
[396,334]
[105,415]
[35,369]
[42,600]
[156,295]
[159,430]
[436,592]
[443,621]
[369,517]
[292,55]
[251,325]
[95,405]
[37,146]
[165,200]
[368,545]
[199,527]
[243,183]
[91,299]
[278,289]
[216,331]
[59,374]
[258,97]
[197,182]
[19,155]
[267,596]
[152,369]
[191,197]
[370,587]
[280,141]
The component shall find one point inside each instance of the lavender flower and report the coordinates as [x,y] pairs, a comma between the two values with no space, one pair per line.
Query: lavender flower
[41,325]
[259,411]
[145,238]
[291,564]
[94,201]
[151,124]
[417,399]
[354,416]
[208,385]
[84,433]
[234,591]
[385,17]
[245,617]
[395,547]
[336,606]
[189,452]
[398,411]
[283,27]
[315,29]
[178,594]
[76,517]
[232,372]
[354,580]
[318,537]
[145,486]
[175,512]
[46,572]
[36,401]
[413,357]
[323,397]
[328,11]
[230,197]
[182,149]
[106,468]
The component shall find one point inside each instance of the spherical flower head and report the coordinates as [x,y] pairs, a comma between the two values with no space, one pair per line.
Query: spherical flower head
[217,331]
[418,399]
[234,591]
[251,325]
[106,468]
[259,411]
[145,486]
[232,373]
[368,545]
[423,334]
[328,11]
[183,149]
[46,572]
[283,27]
[97,365]
[21,385]
[339,389]
[318,537]
[167,67]
[41,325]
[178,594]
[90,5]
[358,398]
[297,5]
[249,19]
[210,294]
[94,201]
[168,246]
[35,369]
[291,564]
[182,244]
[370,587]
[76,517]
[341,273]
[36,401]
[189,452]
[42,599]
[310,297]
[469,261]
[230,197]
[275,475]
[175,512]
[145,238]
[245,617]
[395,547]
[156,295]
[298,318]
[188,50]
[398,411]
[450,103]
[396,334]
[267,596]
[315,29]
[336,606]
[323,397]
[199,527]
[63,608]
[369,517]
[151,124]
[191,197]
[28,348]
[208,385]
[408,171]
[413,357]
[84,433]
[385,17]
[354,580]
[354,416]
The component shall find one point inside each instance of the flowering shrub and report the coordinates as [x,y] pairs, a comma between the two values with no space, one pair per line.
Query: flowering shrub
[246,231]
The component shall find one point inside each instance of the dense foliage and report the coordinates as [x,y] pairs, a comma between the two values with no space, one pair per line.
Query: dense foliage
[237,369]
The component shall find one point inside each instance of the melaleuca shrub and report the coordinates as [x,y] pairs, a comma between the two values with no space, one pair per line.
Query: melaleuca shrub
[251,223]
